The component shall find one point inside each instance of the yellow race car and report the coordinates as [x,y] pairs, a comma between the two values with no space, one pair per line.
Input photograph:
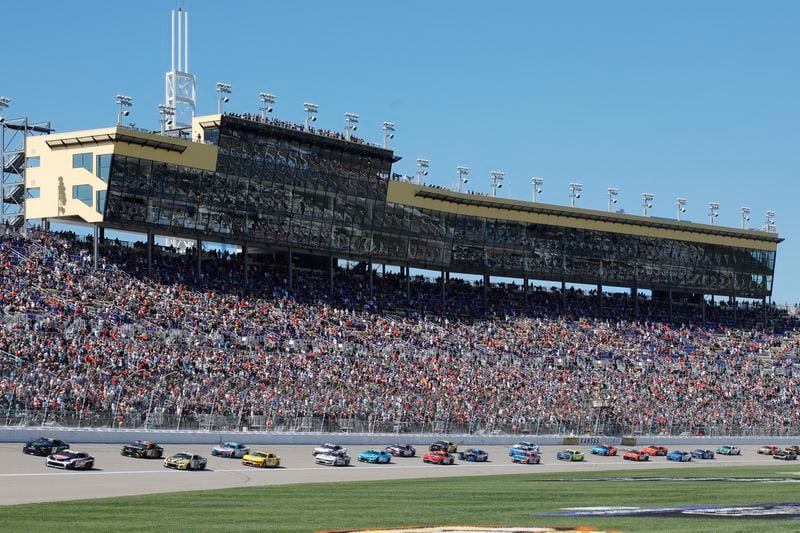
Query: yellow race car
[261,459]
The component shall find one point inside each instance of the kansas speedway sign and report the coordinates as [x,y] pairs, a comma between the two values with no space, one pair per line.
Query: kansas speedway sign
[782,511]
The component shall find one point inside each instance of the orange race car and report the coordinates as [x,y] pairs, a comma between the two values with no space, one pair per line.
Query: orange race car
[636,455]
[655,450]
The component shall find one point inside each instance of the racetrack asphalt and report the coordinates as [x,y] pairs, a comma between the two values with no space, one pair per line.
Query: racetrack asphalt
[26,479]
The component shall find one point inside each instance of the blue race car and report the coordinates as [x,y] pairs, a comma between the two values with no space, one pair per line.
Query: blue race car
[473,455]
[605,450]
[679,456]
[700,453]
[523,446]
[375,456]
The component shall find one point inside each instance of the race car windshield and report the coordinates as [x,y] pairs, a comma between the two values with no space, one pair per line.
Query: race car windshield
[183,456]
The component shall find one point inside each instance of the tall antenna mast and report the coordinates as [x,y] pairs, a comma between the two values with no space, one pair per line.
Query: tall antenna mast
[181,87]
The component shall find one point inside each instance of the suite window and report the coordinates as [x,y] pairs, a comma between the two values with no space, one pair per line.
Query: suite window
[33,162]
[34,192]
[82,161]
[100,204]
[103,166]
[82,193]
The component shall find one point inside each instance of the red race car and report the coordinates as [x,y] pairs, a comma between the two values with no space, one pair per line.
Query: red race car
[438,458]
[655,450]
[636,455]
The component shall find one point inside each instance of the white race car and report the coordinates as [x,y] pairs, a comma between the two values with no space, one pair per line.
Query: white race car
[339,458]
[70,460]
[328,448]
[522,447]
[729,450]
[234,450]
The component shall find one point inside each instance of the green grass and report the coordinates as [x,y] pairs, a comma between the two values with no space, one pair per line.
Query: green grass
[496,500]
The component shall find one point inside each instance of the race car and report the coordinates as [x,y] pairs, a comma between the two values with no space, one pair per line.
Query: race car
[402,450]
[700,453]
[569,455]
[794,448]
[526,458]
[261,459]
[143,449]
[653,450]
[604,449]
[679,456]
[473,455]
[333,458]
[443,445]
[328,448]
[785,455]
[70,460]
[44,446]
[636,455]
[440,457]
[185,461]
[729,450]
[523,446]
[769,449]
[375,456]
[231,450]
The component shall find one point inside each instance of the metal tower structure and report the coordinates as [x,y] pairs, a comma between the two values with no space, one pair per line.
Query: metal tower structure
[181,87]
[13,135]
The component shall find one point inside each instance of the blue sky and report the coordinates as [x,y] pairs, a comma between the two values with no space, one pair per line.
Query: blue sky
[681,98]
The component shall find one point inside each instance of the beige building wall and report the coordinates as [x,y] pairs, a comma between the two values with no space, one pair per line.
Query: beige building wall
[55,175]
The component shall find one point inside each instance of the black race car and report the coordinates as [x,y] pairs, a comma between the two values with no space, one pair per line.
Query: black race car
[402,450]
[70,460]
[44,446]
[143,450]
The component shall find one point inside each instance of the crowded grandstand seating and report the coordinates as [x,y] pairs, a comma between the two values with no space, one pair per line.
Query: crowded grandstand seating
[123,347]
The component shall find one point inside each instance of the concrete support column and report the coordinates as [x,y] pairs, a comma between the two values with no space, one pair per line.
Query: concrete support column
[764,305]
[333,261]
[444,284]
[408,283]
[600,298]
[369,266]
[703,300]
[96,246]
[525,291]
[245,264]
[291,273]
[486,281]
[670,304]
[150,240]
[563,296]
[199,259]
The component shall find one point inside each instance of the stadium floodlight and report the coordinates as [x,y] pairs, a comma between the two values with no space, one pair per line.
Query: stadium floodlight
[267,100]
[575,192]
[463,172]
[311,113]
[222,90]
[350,125]
[497,180]
[166,112]
[681,203]
[537,187]
[769,222]
[123,102]
[388,133]
[612,198]
[422,169]
[745,212]
[713,211]
[647,202]
[4,103]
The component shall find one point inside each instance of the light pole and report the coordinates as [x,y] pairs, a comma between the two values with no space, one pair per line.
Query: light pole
[647,202]
[745,211]
[267,100]
[222,90]
[123,102]
[681,204]
[713,211]
[537,187]
[462,173]
[612,198]
[150,403]
[769,222]
[388,133]
[575,193]
[422,169]
[4,103]
[497,180]
[311,113]
[350,125]
[122,390]
[166,112]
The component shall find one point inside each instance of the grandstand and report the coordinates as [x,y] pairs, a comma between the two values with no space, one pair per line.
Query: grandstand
[313,197]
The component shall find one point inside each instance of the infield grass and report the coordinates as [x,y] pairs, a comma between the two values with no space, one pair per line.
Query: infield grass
[476,500]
